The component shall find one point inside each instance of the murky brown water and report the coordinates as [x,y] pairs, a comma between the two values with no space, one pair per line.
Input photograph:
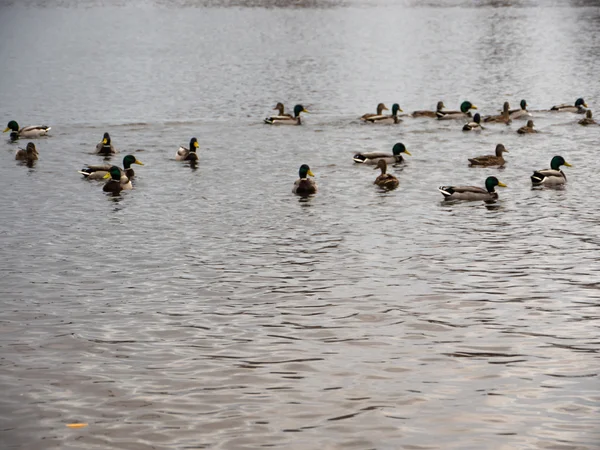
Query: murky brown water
[210,308]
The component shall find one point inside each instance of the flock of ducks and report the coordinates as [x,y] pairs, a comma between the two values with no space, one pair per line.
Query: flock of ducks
[553,176]
[119,179]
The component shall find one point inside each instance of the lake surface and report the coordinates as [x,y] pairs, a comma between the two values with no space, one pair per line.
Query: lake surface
[211,308]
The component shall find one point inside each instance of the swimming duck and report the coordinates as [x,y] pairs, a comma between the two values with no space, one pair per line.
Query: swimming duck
[285,120]
[375,157]
[380,108]
[385,180]
[520,113]
[97,172]
[305,186]
[502,118]
[490,160]
[527,128]
[578,107]
[279,107]
[474,125]
[185,154]
[28,154]
[587,120]
[424,113]
[463,113]
[473,192]
[105,147]
[383,118]
[29,132]
[117,182]
[553,176]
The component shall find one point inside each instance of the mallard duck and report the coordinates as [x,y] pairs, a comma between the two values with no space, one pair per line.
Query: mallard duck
[424,113]
[385,180]
[383,118]
[279,107]
[105,147]
[490,160]
[473,192]
[578,107]
[380,108]
[28,154]
[305,186]
[97,172]
[375,157]
[285,120]
[553,176]
[185,154]
[29,132]
[464,112]
[520,113]
[527,128]
[117,182]
[474,125]
[502,118]
[587,120]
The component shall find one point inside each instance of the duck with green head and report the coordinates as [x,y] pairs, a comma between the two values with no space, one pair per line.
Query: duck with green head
[380,108]
[490,160]
[474,125]
[425,113]
[579,107]
[553,176]
[520,113]
[464,112]
[28,132]
[105,147]
[284,120]
[472,193]
[588,119]
[385,180]
[386,119]
[305,186]
[28,154]
[527,128]
[502,118]
[117,181]
[375,157]
[188,154]
[97,172]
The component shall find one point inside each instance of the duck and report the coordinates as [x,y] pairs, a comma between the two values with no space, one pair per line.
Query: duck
[279,107]
[473,192]
[474,125]
[305,186]
[285,120]
[117,182]
[382,118]
[375,157]
[520,113]
[527,128]
[185,154]
[578,107]
[502,118]
[28,154]
[105,147]
[424,113]
[380,108]
[97,172]
[29,132]
[464,112]
[490,160]
[587,120]
[553,176]
[385,180]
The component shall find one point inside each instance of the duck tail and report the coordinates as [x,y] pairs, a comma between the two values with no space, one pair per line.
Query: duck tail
[537,178]
[446,191]
[269,121]
[85,172]
[358,158]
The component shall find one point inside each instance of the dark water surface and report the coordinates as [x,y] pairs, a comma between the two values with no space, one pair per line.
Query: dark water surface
[210,308]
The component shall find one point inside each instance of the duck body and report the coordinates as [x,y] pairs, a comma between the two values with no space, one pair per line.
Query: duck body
[424,113]
[188,154]
[287,119]
[105,147]
[304,186]
[474,125]
[385,180]
[472,193]
[553,176]
[386,119]
[578,107]
[588,119]
[380,108]
[97,172]
[490,160]
[464,112]
[28,132]
[28,154]
[389,158]
[502,118]
[520,113]
[527,128]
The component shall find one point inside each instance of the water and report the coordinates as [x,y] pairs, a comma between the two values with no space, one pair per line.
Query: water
[211,308]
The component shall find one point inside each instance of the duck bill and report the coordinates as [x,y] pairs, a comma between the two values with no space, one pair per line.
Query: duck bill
[568,165]
[310,173]
[104,141]
[196,145]
[7,129]
[305,111]
[473,107]
[138,162]
[585,104]
[408,153]
[106,176]
[501,184]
